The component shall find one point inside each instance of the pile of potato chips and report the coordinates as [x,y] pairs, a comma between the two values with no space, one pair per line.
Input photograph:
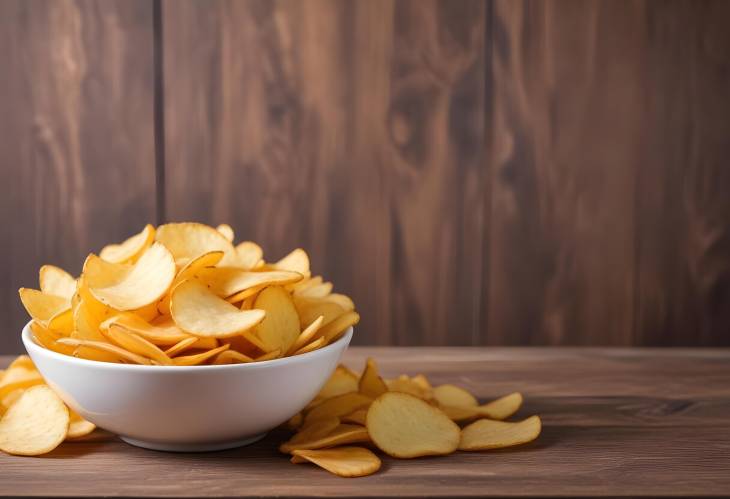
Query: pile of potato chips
[184,295]
[34,419]
[403,417]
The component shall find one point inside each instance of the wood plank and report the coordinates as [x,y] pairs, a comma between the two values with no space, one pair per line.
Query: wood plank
[352,129]
[568,90]
[683,203]
[76,138]
[617,423]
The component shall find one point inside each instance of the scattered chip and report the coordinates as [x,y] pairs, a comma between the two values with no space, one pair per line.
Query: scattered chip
[405,426]
[371,384]
[451,395]
[488,434]
[343,461]
[341,435]
[342,381]
[357,417]
[338,406]
[78,427]
[35,424]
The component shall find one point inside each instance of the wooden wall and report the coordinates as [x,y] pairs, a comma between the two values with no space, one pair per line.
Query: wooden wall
[471,172]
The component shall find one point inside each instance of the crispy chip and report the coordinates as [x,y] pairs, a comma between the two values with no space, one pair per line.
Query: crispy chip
[136,344]
[341,435]
[232,357]
[451,395]
[35,424]
[309,309]
[103,347]
[499,409]
[194,360]
[182,345]
[343,301]
[296,261]
[126,287]
[47,339]
[280,329]
[162,331]
[247,256]
[201,313]
[310,347]
[332,331]
[343,461]
[357,417]
[338,406]
[313,431]
[187,241]
[50,310]
[131,249]
[306,335]
[318,291]
[56,281]
[227,231]
[342,381]
[275,354]
[236,284]
[405,426]
[371,384]
[203,261]
[404,384]
[487,434]
[78,427]
[17,377]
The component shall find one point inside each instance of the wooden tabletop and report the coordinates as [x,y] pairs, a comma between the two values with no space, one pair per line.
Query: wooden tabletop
[617,422]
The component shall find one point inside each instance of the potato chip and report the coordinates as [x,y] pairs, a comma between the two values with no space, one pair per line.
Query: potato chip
[405,426]
[343,301]
[275,354]
[56,281]
[451,395]
[35,424]
[227,231]
[295,421]
[131,249]
[405,384]
[162,331]
[503,407]
[303,285]
[10,399]
[200,358]
[296,261]
[487,434]
[21,361]
[313,431]
[148,312]
[280,329]
[342,381]
[371,384]
[357,417]
[318,291]
[342,461]
[232,357]
[247,256]
[17,377]
[306,335]
[136,344]
[199,312]
[310,347]
[338,406]
[47,339]
[78,427]
[187,241]
[181,346]
[236,284]
[203,261]
[129,287]
[309,309]
[50,310]
[332,331]
[341,435]
[103,347]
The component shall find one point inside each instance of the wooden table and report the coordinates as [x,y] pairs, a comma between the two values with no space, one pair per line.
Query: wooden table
[617,422]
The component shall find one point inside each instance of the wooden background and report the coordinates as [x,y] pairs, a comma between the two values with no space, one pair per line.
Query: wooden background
[471,172]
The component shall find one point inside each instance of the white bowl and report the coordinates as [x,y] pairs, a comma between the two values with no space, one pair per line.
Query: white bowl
[187,408]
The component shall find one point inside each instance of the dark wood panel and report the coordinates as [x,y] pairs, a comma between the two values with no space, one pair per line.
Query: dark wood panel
[683,198]
[568,123]
[612,427]
[354,129]
[76,139]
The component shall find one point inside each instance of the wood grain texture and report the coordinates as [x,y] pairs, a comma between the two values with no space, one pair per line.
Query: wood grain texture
[352,129]
[683,200]
[617,423]
[77,166]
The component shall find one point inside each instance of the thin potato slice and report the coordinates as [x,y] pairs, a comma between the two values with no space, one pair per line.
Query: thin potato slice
[310,347]
[131,249]
[247,256]
[187,241]
[181,346]
[503,407]
[422,381]
[236,284]
[344,301]
[357,417]
[343,434]
[194,360]
[332,331]
[343,461]
[125,287]
[106,348]
[35,424]
[201,313]
[309,309]
[305,284]
[78,427]
[280,329]
[371,384]
[313,431]
[19,377]
[137,344]
[404,384]
[487,434]
[306,336]
[22,361]
[451,395]
[163,331]
[405,426]
[296,261]
[232,357]
[56,281]
[227,231]
[49,310]
[342,381]
[47,339]
[275,354]
[203,261]
[338,406]
[318,291]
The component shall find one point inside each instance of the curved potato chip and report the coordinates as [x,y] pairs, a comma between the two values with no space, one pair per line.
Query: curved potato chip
[451,395]
[78,427]
[371,384]
[181,346]
[275,354]
[342,381]
[305,284]
[205,260]
[232,357]
[247,256]
[307,335]
[106,348]
[487,434]
[35,424]
[309,309]
[130,249]
[404,384]
[343,461]
[318,291]
[296,261]
[227,231]
[236,284]
[357,417]
[310,347]
[312,431]
[131,287]
[332,331]
[148,312]
[10,399]
[421,381]
[194,360]
[136,344]
[45,338]
[343,301]
[188,240]
[163,331]
[19,377]
[342,434]
[199,312]
[280,329]
[56,281]
[405,426]
[22,361]
[50,310]
[338,406]
[503,407]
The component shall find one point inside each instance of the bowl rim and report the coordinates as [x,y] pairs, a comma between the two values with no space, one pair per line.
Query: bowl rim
[30,344]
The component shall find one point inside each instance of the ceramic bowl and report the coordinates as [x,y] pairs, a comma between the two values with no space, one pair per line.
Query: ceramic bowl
[191,408]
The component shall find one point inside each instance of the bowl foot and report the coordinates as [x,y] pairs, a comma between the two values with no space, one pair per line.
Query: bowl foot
[204,447]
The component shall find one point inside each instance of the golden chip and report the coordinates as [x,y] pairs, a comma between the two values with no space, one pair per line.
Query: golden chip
[35,424]
[78,427]
[50,310]
[227,231]
[343,461]
[247,256]
[503,407]
[19,376]
[357,417]
[187,241]
[307,335]
[274,354]
[313,431]
[338,406]
[280,329]
[310,347]
[236,284]
[296,261]
[136,344]
[162,331]
[318,291]
[371,384]
[56,281]
[342,434]
[201,313]
[309,309]
[487,434]
[404,384]
[103,347]
[342,381]
[405,426]
[232,357]
[332,331]
[343,301]
[47,339]
[194,360]
[131,249]
[451,395]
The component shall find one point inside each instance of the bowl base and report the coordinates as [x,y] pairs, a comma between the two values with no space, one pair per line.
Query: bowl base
[204,447]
